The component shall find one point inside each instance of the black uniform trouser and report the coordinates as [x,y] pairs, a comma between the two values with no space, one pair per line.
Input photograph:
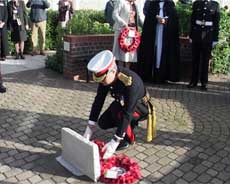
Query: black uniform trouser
[3,42]
[112,116]
[201,52]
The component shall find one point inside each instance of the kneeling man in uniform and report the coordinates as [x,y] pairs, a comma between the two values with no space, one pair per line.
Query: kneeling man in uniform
[129,105]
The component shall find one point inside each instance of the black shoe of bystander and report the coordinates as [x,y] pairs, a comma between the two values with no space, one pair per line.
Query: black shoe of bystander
[203,87]
[22,56]
[17,56]
[3,58]
[2,89]
[191,85]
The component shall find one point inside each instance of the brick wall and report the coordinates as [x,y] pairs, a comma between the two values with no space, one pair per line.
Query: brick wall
[186,58]
[78,50]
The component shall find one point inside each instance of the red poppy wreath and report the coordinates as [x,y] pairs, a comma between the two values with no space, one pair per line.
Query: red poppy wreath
[127,35]
[130,167]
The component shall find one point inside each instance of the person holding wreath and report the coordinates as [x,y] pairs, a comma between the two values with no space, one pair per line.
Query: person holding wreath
[126,15]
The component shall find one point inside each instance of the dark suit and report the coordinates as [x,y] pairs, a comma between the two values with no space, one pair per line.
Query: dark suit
[204,31]
[3,30]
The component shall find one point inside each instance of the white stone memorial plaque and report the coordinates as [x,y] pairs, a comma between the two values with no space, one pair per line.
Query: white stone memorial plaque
[79,155]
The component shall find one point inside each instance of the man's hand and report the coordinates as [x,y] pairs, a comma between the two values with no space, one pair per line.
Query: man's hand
[110,148]
[27,27]
[88,132]
[89,129]
[2,24]
[161,20]
[214,44]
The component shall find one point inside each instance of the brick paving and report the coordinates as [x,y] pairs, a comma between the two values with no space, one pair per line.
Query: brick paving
[192,144]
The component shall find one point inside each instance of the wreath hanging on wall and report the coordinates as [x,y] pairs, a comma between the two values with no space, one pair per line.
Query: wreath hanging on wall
[129,39]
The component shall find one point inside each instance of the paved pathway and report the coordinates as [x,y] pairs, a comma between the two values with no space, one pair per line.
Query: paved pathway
[30,63]
[192,145]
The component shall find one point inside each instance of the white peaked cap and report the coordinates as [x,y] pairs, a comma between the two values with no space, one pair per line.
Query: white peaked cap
[100,64]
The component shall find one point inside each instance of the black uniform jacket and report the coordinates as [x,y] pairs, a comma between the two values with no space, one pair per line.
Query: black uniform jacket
[127,95]
[3,11]
[205,12]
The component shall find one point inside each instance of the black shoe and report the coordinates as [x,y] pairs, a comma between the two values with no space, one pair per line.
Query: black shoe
[17,56]
[203,87]
[123,145]
[22,56]
[2,89]
[191,85]
[34,53]
[2,58]
[42,53]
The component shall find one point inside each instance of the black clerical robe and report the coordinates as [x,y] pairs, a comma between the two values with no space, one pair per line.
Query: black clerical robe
[169,68]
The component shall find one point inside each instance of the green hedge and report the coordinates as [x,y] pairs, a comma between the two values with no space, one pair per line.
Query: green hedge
[184,11]
[221,53]
[93,22]
[83,22]
[88,22]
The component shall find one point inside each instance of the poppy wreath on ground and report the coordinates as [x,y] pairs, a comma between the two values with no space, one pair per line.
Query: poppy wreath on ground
[131,167]
[124,35]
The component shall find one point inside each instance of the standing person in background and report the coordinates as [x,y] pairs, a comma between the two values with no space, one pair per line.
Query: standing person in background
[159,56]
[146,6]
[65,12]
[38,19]
[18,22]
[125,14]
[203,36]
[109,7]
[3,30]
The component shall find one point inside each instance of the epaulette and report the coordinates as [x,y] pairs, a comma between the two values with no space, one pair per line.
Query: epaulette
[127,80]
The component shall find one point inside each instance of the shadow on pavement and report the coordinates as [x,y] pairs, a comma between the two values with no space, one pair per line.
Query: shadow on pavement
[193,138]
[31,141]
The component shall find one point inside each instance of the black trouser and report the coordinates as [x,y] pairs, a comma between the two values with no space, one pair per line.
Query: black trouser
[111,117]
[3,42]
[201,52]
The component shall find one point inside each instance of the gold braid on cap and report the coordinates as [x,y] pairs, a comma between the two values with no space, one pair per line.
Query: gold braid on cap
[127,80]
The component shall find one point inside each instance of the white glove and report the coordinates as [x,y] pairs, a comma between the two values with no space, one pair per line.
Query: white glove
[2,24]
[27,27]
[214,44]
[88,133]
[89,129]
[110,148]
